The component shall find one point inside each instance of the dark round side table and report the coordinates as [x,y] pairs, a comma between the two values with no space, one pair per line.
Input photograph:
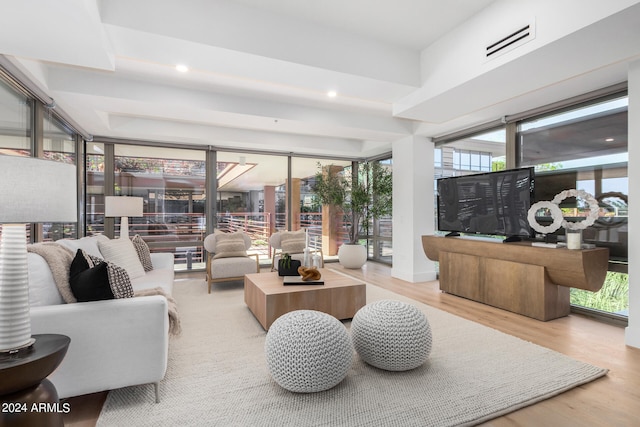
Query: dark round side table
[27,398]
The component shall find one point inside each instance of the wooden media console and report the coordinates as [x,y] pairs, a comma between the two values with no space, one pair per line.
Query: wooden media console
[528,280]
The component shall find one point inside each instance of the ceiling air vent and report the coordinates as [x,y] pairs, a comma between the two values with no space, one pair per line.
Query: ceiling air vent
[510,42]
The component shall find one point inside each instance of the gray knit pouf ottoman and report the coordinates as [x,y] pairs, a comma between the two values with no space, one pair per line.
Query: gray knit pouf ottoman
[391,335]
[308,351]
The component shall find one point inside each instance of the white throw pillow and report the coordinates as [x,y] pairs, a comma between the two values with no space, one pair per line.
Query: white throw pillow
[122,253]
[293,241]
[230,245]
[88,244]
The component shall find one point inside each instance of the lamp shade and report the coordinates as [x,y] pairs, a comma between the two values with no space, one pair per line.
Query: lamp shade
[35,190]
[123,206]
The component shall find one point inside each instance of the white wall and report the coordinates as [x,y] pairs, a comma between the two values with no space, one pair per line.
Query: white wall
[633,330]
[412,208]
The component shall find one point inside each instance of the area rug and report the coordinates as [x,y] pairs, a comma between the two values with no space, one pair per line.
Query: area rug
[217,375]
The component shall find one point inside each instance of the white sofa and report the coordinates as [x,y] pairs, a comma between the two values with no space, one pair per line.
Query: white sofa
[114,343]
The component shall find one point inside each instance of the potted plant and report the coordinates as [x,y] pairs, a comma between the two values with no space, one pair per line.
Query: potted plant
[361,197]
[288,266]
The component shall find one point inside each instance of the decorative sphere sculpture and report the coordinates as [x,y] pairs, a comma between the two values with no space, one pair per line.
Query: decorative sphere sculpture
[391,335]
[308,351]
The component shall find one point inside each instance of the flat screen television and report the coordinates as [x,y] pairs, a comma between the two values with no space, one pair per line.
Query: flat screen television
[494,203]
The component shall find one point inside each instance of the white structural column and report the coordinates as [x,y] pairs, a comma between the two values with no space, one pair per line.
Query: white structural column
[413,209]
[633,330]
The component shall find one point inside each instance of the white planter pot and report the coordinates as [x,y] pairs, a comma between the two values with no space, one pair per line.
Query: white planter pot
[352,256]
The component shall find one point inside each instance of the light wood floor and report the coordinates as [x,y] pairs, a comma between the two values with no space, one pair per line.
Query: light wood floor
[610,401]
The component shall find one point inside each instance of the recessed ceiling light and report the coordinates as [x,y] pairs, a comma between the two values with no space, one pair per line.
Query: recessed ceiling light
[609,140]
[182,68]
[332,94]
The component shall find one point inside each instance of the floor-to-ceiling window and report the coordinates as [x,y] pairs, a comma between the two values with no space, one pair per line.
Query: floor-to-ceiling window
[95,188]
[585,148]
[380,243]
[30,129]
[326,224]
[251,195]
[16,128]
[581,146]
[257,193]
[59,145]
[16,111]
[171,182]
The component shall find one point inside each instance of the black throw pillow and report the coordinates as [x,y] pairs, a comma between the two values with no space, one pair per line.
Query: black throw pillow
[89,283]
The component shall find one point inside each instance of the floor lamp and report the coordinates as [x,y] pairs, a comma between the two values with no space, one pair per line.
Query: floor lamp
[32,190]
[124,207]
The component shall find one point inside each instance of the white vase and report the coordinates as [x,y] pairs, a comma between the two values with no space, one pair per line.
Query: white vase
[574,239]
[352,256]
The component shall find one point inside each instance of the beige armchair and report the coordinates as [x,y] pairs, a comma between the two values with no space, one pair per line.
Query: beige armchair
[227,257]
[293,243]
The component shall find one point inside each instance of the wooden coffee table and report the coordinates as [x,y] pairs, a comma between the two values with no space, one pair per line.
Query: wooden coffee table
[268,298]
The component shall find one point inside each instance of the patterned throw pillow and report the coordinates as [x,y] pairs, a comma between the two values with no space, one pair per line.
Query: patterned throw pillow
[122,253]
[230,245]
[118,277]
[293,242]
[142,249]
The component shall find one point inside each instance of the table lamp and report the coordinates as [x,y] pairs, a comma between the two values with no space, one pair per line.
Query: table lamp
[124,207]
[32,190]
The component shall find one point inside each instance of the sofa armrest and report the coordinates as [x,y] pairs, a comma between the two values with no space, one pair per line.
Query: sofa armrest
[114,343]
[162,260]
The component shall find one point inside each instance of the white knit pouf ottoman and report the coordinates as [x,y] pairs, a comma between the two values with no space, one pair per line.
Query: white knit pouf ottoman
[391,335]
[308,351]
